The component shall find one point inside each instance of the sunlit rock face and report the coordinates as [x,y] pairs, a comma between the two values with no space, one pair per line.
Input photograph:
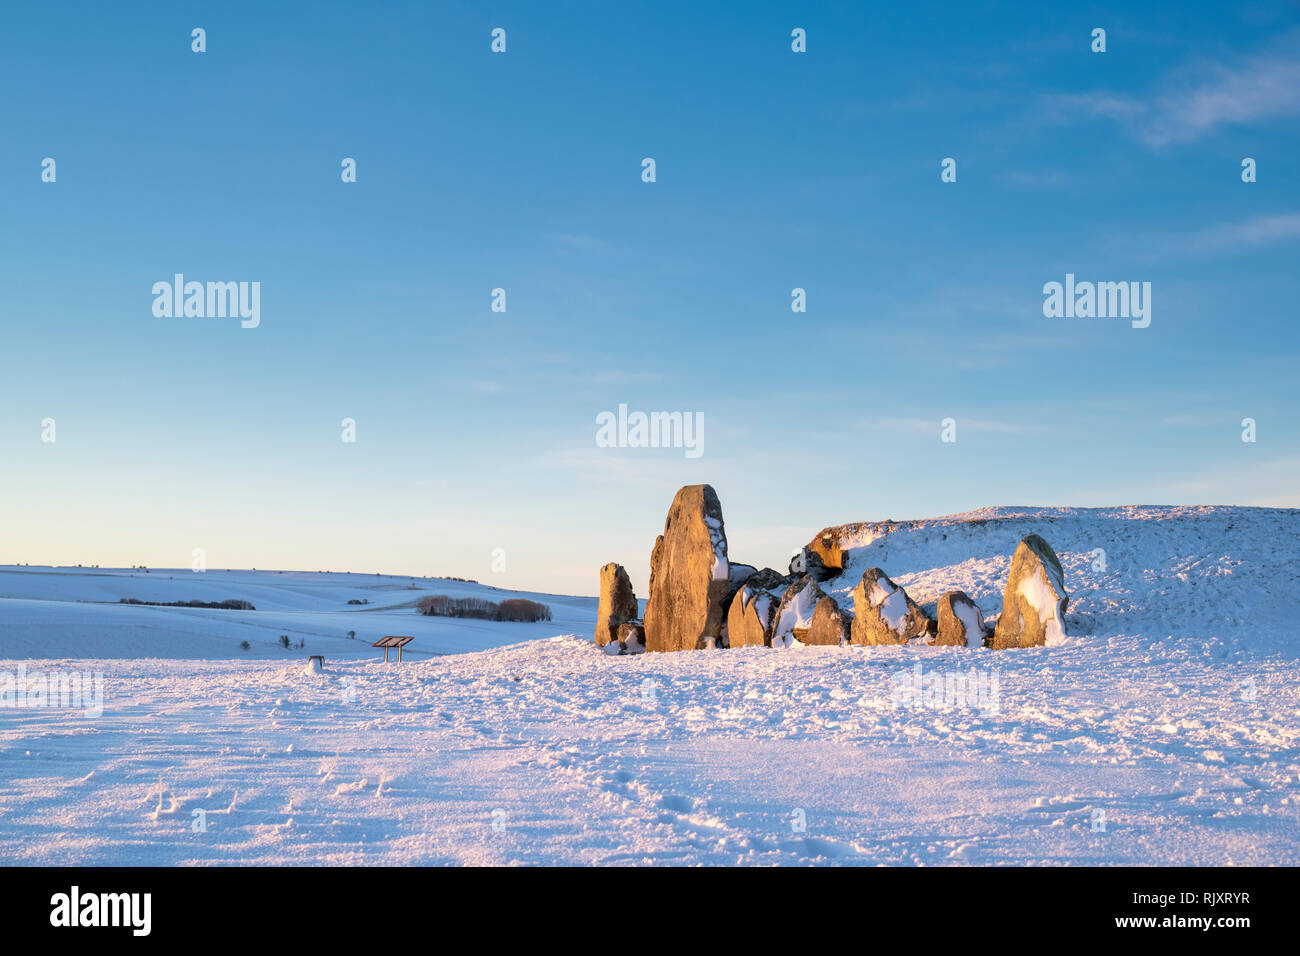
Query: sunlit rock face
[830,624]
[1034,603]
[749,622]
[884,614]
[960,622]
[690,576]
[617,603]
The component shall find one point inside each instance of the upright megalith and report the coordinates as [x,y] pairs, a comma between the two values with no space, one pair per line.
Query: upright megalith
[884,614]
[960,622]
[1034,603]
[738,579]
[690,577]
[617,603]
[830,624]
[749,622]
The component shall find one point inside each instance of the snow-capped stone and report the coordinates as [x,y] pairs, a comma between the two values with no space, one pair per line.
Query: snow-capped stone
[690,576]
[737,578]
[960,622]
[749,622]
[617,603]
[1034,603]
[830,624]
[795,612]
[883,613]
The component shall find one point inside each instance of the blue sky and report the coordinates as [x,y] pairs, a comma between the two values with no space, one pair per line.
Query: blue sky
[522,170]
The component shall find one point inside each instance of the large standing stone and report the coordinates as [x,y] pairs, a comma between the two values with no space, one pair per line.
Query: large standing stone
[617,603]
[690,576]
[749,622]
[960,622]
[883,613]
[1034,603]
[830,624]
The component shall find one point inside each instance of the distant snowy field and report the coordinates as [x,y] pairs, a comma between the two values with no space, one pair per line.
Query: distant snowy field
[1165,729]
[74,612]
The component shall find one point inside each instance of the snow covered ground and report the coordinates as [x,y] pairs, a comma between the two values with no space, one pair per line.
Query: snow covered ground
[74,612]
[1164,729]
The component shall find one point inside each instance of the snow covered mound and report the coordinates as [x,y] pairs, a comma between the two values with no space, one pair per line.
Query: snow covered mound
[1223,578]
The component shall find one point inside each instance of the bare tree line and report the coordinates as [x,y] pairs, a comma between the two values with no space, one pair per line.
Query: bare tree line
[513,609]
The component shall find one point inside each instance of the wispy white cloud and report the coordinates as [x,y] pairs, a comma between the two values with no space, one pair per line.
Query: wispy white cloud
[1196,100]
[1116,106]
[1264,87]
[1221,237]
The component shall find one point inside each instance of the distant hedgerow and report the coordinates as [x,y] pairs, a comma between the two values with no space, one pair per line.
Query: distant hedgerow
[220,605]
[514,609]
[520,609]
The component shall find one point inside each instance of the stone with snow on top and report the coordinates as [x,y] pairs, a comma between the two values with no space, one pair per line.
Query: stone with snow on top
[617,603]
[739,576]
[795,612]
[749,622]
[830,624]
[884,614]
[960,622]
[1034,603]
[690,576]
